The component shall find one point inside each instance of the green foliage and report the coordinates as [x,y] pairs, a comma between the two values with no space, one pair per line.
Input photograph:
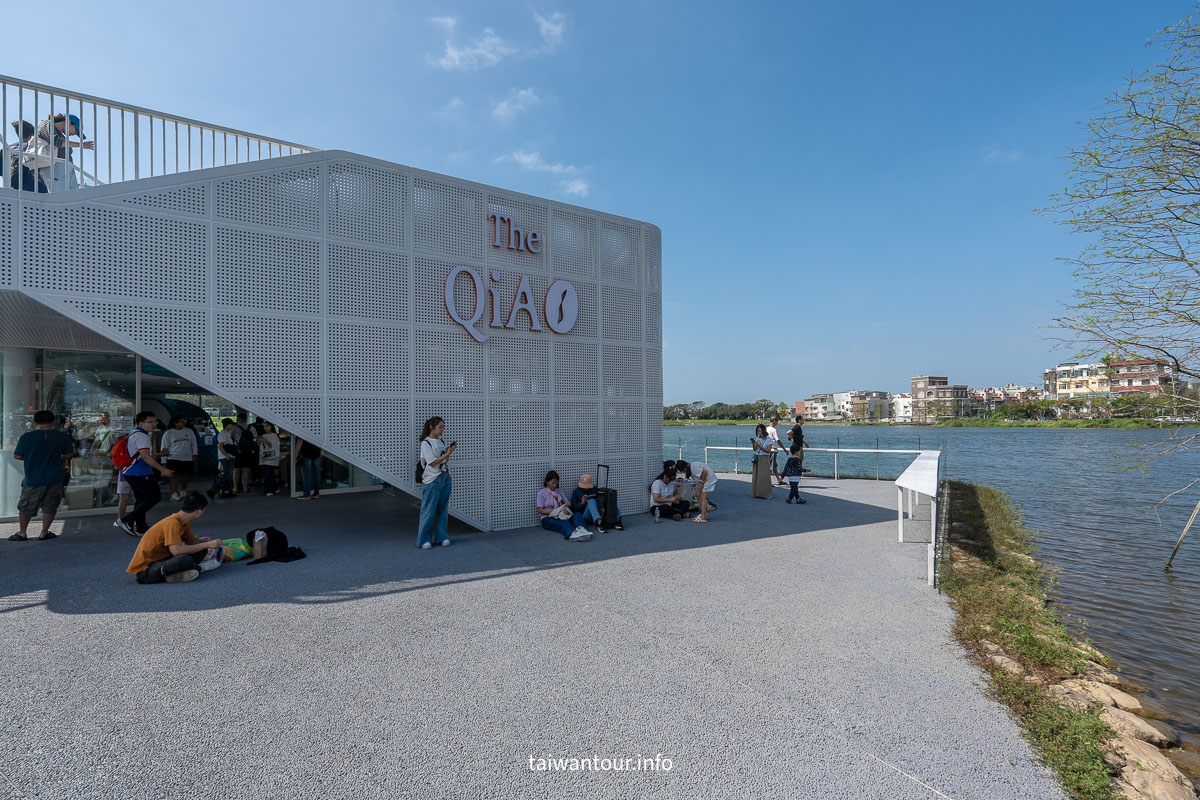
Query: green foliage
[1134,191]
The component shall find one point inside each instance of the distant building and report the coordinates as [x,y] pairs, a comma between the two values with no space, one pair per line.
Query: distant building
[1140,376]
[933,399]
[1071,379]
[866,406]
[798,409]
[820,407]
[990,398]
[902,407]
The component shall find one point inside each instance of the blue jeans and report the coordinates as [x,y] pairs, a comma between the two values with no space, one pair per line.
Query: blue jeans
[223,480]
[591,512]
[310,474]
[794,492]
[435,510]
[562,526]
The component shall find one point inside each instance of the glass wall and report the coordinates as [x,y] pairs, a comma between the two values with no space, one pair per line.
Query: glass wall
[92,394]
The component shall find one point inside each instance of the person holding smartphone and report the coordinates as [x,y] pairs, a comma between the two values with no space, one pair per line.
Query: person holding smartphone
[435,485]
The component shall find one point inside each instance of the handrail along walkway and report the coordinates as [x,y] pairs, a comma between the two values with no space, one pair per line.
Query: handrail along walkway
[920,479]
[132,142]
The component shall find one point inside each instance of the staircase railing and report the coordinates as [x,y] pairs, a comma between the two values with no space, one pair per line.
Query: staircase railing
[128,142]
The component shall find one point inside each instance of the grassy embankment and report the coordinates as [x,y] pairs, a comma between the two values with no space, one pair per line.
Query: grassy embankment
[982,422]
[1000,594]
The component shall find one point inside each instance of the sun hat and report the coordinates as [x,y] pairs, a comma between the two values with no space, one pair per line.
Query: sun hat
[585,481]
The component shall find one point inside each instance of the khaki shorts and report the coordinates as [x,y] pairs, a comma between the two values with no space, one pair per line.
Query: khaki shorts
[46,498]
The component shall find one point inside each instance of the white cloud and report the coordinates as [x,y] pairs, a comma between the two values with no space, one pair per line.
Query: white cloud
[534,162]
[518,100]
[571,184]
[488,49]
[454,104]
[551,29]
[576,186]
[997,155]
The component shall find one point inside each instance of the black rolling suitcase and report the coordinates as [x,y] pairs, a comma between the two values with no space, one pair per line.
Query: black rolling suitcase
[606,498]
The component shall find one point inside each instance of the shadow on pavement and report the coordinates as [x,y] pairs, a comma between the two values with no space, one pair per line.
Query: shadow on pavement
[362,545]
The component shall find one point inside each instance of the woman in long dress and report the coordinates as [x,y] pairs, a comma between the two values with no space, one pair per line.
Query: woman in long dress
[764,447]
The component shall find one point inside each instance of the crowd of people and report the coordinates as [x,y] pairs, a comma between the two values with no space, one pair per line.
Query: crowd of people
[168,547]
[41,159]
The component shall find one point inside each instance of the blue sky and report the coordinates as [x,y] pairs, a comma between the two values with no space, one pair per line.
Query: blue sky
[846,190]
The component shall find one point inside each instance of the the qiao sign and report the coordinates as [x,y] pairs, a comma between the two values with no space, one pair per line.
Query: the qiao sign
[560,306]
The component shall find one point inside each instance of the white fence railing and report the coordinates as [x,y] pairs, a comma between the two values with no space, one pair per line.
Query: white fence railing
[119,141]
[837,451]
[920,479]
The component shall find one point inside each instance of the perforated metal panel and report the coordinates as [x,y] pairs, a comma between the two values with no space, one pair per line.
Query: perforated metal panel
[299,414]
[520,429]
[368,358]
[620,252]
[653,317]
[576,368]
[7,218]
[281,198]
[446,364]
[367,203]
[574,244]
[576,429]
[519,365]
[186,200]
[376,430]
[259,352]
[178,335]
[267,271]
[513,495]
[524,216]
[373,284]
[621,314]
[623,373]
[623,427]
[106,252]
[652,257]
[312,293]
[654,374]
[448,218]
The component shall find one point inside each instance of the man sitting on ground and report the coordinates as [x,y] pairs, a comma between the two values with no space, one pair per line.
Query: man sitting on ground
[169,551]
[583,501]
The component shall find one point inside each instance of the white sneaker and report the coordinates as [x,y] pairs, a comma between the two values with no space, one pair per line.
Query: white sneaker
[445,542]
[427,546]
[579,535]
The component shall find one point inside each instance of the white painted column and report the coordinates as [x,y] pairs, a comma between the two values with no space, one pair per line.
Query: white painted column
[900,511]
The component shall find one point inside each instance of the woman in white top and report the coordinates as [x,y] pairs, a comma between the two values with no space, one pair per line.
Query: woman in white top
[764,449]
[268,455]
[435,485]
[664,499]
[180,447]
[706,481]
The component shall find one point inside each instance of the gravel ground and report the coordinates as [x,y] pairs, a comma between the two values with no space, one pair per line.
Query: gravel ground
[780,651]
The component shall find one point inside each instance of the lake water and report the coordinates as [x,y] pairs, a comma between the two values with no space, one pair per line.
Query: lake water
[1099,526]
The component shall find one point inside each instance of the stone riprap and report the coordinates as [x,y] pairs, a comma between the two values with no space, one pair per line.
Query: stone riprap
[779,651]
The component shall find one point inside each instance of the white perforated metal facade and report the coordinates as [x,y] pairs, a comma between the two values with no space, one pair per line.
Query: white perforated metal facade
[309,290]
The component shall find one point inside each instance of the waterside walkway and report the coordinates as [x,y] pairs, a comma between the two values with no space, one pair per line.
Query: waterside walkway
[780,651]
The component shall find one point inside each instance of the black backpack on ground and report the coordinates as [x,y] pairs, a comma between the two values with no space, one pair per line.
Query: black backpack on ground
[606,499]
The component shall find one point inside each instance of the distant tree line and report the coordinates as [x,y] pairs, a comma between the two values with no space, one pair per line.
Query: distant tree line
[759,409]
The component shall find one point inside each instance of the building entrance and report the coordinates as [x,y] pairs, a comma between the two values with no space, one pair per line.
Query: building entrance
[95,397]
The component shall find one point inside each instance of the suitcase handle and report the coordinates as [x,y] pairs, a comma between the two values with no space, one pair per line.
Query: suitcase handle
[605,468]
